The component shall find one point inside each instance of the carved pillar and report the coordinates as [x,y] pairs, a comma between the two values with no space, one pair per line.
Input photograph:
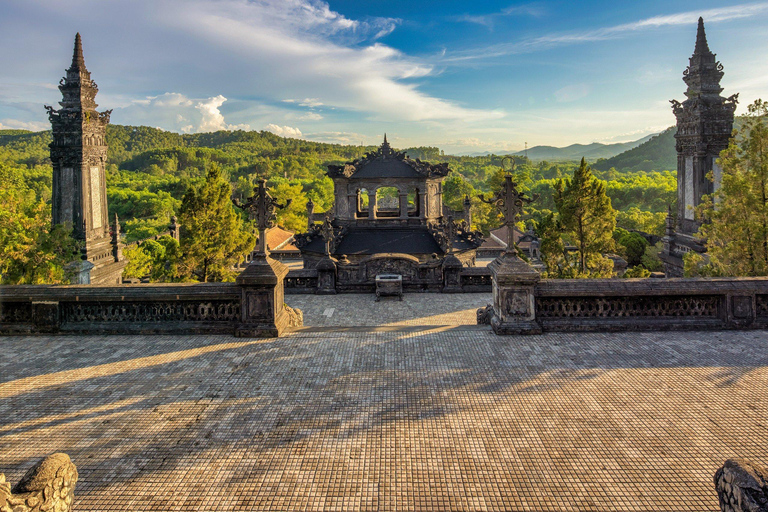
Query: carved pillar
[403,205]
[262,299]
[354,205]
[326,276]
[514,297]
[310,212]
[452,274]
[468,212]
[372,205]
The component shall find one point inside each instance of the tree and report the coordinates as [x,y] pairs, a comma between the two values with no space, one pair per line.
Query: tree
[588,220]
[31,250]
[214,237]
[632,244]
[737,231]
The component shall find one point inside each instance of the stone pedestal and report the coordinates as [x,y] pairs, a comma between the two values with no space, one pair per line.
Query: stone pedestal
[262,302]
[514,304]
[81,271]
[452,274]
[326,276]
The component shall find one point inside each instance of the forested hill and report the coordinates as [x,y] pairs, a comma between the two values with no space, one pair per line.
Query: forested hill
[656,154]
[149,170]
[573,152]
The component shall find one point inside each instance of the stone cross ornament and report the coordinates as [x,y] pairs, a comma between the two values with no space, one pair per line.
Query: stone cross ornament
[263,208]
[510,201]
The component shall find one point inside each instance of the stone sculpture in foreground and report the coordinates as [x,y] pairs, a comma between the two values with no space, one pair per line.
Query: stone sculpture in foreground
[742,487]
[49,485]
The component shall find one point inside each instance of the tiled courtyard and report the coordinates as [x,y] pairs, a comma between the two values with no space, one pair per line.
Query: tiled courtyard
[398,418]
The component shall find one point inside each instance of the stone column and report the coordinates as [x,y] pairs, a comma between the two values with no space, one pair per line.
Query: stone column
[372,205]
[403,205]
[262,299]
[310,212]
[452,274]
[468,212]
[514,300]
[326,276]
[354,206]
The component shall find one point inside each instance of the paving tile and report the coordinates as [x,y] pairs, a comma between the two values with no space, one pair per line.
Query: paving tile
[430,418]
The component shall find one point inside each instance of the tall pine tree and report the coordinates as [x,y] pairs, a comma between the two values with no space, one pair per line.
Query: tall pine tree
[214,237]
[737,234]
[587,219]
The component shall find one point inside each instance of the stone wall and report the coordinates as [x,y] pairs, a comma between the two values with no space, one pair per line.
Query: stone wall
[651,304]
[472,279]
[202,308]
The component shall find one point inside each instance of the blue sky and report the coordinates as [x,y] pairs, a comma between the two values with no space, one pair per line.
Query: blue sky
[464,76]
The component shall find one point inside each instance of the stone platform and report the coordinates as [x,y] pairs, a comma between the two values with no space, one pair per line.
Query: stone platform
[388,418]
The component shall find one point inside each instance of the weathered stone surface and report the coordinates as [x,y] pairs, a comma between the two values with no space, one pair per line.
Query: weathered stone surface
[484,315]
[78,157]
[295,316]
[742,486]
[48,486]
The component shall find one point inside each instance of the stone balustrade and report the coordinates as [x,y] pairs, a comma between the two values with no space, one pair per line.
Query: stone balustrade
[251,307]
[471,279]
[648,304]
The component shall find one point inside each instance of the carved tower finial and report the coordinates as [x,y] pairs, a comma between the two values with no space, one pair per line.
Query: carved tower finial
[78,61]
[701,39]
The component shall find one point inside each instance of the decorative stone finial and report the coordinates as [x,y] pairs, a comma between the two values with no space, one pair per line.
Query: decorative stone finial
[78,61]
[264,208]
[510,201]
[701,39]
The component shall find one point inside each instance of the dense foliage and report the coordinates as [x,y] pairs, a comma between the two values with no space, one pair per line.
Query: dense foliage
[737,232]
[150,170]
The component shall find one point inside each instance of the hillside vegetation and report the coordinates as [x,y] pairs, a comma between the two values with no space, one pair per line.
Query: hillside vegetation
[149,170]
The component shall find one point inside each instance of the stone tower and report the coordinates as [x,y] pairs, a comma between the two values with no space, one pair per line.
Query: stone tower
[79,156]
[704,126]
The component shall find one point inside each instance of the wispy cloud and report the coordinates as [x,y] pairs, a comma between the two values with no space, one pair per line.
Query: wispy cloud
[490,19]
[605,33]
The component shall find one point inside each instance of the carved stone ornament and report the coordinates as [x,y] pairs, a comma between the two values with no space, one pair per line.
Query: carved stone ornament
[48,486]
[385,151]
[742,486]
[263,207]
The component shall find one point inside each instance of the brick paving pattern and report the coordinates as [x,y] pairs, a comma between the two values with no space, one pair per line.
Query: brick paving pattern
[416,309]
[404,419]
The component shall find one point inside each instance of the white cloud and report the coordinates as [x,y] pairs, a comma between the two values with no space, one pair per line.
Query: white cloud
[14,124]
[349,138]
[283,131]
[175,111]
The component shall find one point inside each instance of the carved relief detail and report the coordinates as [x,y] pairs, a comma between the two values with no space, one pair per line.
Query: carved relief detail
[391,266]
[170,311]
[619,307]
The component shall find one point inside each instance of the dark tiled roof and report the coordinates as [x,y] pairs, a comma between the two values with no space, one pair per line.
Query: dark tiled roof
[386,168]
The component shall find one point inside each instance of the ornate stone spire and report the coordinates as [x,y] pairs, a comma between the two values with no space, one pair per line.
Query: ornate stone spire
[701,39]
[77,88]
[79,156]
[78,61]
[704,73]
[386,149]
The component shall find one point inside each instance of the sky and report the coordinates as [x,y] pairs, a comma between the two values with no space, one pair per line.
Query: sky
[463,76]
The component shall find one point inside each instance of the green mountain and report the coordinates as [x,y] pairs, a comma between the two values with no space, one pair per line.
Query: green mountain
[573,152]
[656,154]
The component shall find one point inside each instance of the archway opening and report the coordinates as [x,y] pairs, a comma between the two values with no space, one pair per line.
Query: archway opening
[387,202]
